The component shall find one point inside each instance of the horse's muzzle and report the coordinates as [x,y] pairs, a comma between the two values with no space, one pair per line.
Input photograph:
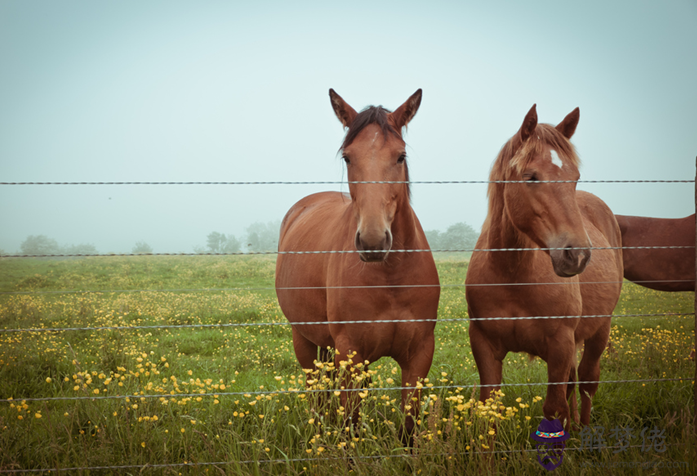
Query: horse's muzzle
[373,251]
[570,261]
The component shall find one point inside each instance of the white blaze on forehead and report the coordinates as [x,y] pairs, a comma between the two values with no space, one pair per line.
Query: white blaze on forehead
[555,159]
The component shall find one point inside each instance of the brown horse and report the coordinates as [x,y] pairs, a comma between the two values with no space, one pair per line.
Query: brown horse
[660,269]
[366,282]
[544,215]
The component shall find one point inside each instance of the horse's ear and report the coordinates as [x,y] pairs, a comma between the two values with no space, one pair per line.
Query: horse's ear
[568,126]
[406,112]
[529,123]
[343,111]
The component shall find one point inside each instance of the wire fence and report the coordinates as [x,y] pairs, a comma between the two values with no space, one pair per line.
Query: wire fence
[308,288]
[405,454]
[321,252]
[262,324]
[334,182]
[249,393]
[326,323]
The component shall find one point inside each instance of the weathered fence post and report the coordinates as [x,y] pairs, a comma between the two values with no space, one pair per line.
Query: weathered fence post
[694,385]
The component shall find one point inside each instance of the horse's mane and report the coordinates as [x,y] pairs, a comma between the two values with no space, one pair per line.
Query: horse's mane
[515,156]
[369,115]
[374,115]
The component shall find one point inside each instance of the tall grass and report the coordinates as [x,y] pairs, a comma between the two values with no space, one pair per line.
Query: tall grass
[232,400]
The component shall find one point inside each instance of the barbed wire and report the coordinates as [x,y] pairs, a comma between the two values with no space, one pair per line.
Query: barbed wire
[314,323]
[316,252]
[310,288]
[293,391]
[303,391]
[341,182]
[408,453]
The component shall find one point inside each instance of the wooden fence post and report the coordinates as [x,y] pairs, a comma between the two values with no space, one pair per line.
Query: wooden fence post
[694,385]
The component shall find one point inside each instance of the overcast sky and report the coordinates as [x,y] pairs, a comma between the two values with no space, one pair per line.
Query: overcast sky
[237,91]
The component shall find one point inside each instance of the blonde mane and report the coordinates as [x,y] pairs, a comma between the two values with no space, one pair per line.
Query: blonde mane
[514,157]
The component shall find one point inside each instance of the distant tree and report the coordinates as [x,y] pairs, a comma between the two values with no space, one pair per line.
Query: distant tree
[459,236]
[232,244]
[253,241]
[39,245]
[216,242]
[81,249]
[263,236]
[141,247]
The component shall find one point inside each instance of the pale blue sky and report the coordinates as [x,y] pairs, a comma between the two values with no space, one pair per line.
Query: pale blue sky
[237,91]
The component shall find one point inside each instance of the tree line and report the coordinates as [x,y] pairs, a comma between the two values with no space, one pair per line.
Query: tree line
[459,236]
[258,237]
[264,237]
[43,245]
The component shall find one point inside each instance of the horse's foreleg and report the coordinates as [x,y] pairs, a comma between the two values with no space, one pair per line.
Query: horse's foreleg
[307,353]
[350,365]
[571,388]
[589,369]
[560,353]
[489,365]
[414,371]
[571,391]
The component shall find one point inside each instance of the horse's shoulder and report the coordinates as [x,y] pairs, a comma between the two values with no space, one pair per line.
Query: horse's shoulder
[587,199]
[597,213]
[316,201]
[313,210]
[320,198]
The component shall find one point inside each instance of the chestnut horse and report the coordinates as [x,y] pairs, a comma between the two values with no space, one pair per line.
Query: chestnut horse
[565,223]
[661,269]
[365,282]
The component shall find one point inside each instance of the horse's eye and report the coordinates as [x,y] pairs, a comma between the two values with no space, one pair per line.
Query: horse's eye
[530,177]
[401,158]
[346,159]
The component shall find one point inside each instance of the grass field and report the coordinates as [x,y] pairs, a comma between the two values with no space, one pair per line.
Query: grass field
[228,399]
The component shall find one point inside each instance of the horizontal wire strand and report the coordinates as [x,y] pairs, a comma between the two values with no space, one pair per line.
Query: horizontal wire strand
[406,454]
[315,323]
[340,390]
[334,182]
[309,288]
[316,252]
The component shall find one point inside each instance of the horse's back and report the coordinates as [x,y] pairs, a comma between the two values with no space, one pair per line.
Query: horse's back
[661,269]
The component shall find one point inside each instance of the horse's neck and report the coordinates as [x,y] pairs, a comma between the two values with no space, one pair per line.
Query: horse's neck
[404,227]
[501,233]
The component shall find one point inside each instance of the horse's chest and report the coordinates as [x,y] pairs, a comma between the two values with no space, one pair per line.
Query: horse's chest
[516,314]
[380,325]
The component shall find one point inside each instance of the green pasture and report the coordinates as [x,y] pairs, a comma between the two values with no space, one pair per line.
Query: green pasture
[232,400]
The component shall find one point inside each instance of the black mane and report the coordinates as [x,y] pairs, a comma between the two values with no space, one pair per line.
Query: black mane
[369,115]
